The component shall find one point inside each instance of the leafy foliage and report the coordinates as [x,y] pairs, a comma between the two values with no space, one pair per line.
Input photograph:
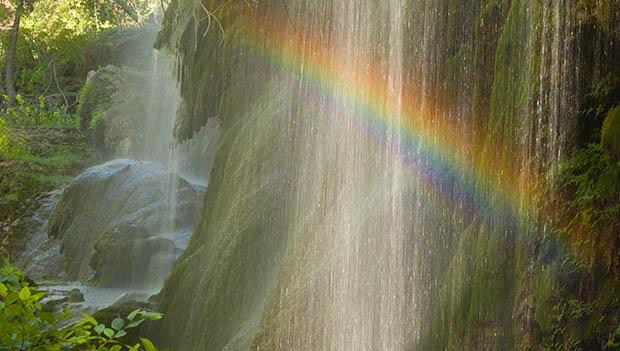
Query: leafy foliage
[26,113]
[10,142]
[53,36]
[590,182]
[25,326]
[614,341]
[602,95]
[119,12]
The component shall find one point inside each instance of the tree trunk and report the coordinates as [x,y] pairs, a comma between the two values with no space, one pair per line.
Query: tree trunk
[10,58]
[1,86]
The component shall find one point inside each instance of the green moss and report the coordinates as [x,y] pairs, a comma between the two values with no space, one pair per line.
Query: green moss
[84,98]
[610,133]
[94,99]
[96,116]
[475,305]
[543,292]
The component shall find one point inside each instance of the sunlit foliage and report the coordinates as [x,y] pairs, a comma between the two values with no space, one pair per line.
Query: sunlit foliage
[26,325]
[53,36]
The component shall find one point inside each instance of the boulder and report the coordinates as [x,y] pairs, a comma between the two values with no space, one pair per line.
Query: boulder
[75,295]
[145,261]
[122,221]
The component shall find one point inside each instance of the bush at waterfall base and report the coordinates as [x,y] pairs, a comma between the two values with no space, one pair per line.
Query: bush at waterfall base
[26,326]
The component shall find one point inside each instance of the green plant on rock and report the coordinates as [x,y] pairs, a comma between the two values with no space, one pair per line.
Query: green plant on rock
[94,99]
[565,314]
[601,97]
[26,326]
[590,216]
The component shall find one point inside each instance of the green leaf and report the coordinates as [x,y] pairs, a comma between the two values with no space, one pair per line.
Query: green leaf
[24,294]
[148,345]
[133,314]
[3,289]
[38,296]
[13,310]
[152,315]
[120,334]
[90,319]
[99,328]
[134,324]
[118,324]
[116,348]
[108,332]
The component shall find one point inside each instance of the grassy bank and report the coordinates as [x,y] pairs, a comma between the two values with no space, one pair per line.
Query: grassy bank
[49,158]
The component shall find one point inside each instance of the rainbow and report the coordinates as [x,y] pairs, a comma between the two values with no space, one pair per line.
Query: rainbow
[435,152]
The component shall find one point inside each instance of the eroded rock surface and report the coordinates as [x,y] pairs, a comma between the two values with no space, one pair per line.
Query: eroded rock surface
[125,221]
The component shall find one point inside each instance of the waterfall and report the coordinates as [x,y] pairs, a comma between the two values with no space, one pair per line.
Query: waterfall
[119,227]
[352,175]
[378,172]
[163,103]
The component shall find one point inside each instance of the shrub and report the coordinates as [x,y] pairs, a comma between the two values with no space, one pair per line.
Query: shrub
[10,143]
[30,114]
[25,326]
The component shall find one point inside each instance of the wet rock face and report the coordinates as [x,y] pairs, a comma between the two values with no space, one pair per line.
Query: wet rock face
[125,221]
[508,71]
[41,256]
[130,248]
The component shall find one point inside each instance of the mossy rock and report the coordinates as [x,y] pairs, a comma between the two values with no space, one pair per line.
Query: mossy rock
[610,133]
[94,97]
